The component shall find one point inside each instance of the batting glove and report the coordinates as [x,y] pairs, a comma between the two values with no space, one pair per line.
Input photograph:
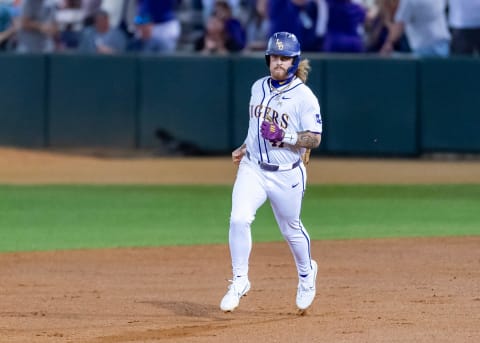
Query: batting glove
[271,132]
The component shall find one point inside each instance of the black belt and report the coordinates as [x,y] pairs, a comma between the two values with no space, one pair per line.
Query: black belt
[275,167]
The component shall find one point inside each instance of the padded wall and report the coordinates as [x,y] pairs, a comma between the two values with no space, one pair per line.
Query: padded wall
[188,97]
[371,106]
[450,105]
[92,101]
[23,100]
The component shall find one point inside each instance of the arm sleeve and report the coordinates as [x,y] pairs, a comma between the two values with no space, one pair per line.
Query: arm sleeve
[311,116]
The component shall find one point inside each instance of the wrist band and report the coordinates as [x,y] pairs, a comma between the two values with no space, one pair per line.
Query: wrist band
[290,138]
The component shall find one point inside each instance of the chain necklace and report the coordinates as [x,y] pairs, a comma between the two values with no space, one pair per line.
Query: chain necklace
[278,91]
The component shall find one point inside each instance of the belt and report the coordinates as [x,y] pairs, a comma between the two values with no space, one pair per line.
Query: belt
[275,167]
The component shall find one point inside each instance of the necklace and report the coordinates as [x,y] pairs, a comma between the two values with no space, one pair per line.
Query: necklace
[279,90]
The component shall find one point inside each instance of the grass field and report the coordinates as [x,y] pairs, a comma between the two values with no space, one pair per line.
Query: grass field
[65,217]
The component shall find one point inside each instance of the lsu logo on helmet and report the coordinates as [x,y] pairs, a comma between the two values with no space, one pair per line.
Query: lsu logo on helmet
[279,44]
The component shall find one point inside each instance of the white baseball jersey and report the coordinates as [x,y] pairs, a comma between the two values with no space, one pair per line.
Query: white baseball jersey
[293,107]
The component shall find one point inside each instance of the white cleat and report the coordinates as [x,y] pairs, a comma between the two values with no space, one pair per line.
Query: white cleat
[237,289]
[306,289]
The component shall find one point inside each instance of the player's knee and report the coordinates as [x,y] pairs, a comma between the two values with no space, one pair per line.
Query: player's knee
[239,222]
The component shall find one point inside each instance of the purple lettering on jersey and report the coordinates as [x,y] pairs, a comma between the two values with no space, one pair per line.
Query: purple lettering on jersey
[284,122]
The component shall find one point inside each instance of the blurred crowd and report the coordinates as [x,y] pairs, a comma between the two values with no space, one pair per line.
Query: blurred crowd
[419,27]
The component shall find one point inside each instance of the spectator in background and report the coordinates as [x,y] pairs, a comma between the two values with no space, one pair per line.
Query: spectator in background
[322,22]
[299,17]
[101,38]
[235,36]
[464,21]
[143,41]
[7,24]
[208,7]
[344,29]
[257,25]
[213,40]
[425,25]
[378,25]
[69,17]
[166,26]
[38,28]
[90,8]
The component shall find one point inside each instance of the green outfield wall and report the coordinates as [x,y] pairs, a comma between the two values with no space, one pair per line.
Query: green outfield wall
[449,110]
[187,96]
[371,106]
[92,101]
[23,101]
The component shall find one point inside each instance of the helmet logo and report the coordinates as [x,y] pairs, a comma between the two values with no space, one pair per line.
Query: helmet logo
[279,44]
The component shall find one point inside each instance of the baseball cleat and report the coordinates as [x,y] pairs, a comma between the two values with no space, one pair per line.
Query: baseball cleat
[238,288]
[306,289]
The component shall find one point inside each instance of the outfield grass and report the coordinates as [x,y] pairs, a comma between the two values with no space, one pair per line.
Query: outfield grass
[65,217]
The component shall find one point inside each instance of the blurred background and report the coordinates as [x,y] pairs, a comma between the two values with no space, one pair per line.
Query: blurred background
[394,78]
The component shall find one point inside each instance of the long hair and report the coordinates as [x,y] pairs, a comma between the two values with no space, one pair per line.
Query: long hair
[303,70]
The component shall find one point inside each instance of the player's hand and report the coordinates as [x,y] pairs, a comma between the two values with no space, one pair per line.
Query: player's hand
[238,154]
[271,132]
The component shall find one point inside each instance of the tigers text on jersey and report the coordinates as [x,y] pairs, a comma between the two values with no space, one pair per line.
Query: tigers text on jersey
[293,107]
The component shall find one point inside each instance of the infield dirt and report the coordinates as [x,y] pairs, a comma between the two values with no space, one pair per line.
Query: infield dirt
[379,290]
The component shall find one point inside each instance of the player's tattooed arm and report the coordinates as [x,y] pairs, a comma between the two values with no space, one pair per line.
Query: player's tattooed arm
[307,139]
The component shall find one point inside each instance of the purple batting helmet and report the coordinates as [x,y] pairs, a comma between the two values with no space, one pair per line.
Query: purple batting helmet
[284,44]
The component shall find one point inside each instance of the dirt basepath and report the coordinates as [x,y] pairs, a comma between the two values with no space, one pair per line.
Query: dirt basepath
[19,166]
[385,290]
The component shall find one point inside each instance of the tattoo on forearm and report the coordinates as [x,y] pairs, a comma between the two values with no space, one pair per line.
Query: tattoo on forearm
[308,140]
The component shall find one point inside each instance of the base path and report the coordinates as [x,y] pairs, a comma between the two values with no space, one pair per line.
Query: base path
[379,290]
[43,167]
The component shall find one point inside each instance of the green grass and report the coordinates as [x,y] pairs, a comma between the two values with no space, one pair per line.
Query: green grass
[65,217]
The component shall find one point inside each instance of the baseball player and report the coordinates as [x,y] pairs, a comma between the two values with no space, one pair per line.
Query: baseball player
[285,123]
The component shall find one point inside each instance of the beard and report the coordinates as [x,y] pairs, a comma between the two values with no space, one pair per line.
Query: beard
[279,73]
